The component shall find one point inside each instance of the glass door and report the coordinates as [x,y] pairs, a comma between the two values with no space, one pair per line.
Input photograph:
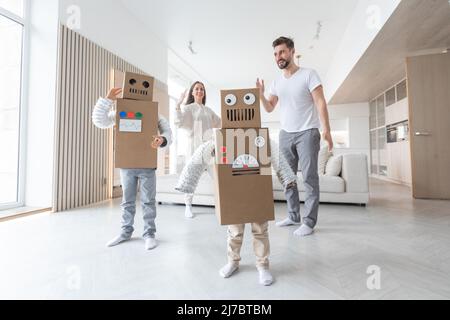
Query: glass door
[11,52]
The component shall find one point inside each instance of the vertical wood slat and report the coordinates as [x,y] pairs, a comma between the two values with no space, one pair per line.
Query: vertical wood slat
[89,126]
[96,132]
[84,127]
[66,177]
[76,111]
[84,170]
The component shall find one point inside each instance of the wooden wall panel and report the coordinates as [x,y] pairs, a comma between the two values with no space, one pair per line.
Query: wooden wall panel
[83,153]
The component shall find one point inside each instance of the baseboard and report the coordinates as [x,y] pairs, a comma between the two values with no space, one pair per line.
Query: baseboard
[23,214]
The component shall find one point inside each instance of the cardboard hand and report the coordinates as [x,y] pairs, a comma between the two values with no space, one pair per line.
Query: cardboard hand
[158,141]
[114,93]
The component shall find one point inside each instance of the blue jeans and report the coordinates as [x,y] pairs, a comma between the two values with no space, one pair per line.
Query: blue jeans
[147,182]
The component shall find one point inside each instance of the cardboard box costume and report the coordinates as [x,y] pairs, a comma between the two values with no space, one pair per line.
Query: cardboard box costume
[136,124]
[244,191]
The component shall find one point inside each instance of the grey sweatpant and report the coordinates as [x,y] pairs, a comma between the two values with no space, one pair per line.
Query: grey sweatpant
[147,182]
[303,148]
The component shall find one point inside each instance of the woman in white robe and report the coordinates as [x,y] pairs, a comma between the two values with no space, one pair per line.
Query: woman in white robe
[198,121]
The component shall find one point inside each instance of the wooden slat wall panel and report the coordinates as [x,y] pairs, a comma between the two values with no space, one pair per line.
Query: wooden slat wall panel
[83,156]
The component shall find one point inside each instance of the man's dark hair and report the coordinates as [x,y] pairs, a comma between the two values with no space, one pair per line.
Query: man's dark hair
[289,42]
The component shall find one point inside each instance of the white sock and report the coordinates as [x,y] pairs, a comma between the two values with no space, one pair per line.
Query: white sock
[150,243]
[287,222]
[265,277]
[228,270]
[304,231]
[188,213]
[118,240]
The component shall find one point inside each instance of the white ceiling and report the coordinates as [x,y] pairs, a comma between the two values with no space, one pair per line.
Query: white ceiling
[384,63]
[233,38]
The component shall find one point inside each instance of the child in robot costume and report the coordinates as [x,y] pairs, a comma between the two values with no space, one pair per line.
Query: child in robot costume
[104,117]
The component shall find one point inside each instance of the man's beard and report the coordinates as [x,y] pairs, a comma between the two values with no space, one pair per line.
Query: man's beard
[284,64]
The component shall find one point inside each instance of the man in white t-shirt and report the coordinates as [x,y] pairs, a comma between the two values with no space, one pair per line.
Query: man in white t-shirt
[298,93]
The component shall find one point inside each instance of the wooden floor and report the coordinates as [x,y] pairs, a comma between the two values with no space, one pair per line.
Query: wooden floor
[63,256]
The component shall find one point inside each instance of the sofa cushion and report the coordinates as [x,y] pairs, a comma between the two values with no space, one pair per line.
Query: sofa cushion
[324,155]
[327,184]
[167,183]
[334,166]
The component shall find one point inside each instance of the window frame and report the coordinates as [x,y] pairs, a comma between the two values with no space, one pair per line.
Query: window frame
[23,105]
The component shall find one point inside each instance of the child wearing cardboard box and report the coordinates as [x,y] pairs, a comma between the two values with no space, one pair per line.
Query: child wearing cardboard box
[244,192]
[104,117]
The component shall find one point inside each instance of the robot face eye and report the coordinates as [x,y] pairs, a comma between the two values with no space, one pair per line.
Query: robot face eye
[133,82]
[146,84]
[230,100]
[249,99]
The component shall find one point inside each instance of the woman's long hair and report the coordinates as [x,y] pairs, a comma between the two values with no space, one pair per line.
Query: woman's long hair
[191,98]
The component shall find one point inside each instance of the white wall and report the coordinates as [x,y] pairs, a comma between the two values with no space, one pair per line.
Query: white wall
[111,26]
[367,20]
[357,115]
[104,22]
[39,104]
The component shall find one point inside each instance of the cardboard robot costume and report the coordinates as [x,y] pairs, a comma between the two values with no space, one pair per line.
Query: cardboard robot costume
[234,117]
[136,123]
[243,177]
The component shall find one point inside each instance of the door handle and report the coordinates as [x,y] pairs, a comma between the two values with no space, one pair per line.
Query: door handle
[422,134]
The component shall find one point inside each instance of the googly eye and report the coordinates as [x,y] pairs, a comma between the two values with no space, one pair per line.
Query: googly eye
[249,99]
[132,82]
[146,84]
[230,100]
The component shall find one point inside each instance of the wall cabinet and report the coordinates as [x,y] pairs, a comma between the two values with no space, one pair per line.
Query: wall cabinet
[399,162]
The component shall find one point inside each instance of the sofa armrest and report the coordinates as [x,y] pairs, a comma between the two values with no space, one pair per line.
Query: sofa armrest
[355,172]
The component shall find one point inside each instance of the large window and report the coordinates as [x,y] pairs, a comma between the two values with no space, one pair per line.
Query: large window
[11,53]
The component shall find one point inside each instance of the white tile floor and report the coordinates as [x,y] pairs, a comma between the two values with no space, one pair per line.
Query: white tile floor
[63,256]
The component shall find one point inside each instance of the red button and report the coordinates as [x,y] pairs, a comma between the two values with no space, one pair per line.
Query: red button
[224,149]
[224,160]
[131,115]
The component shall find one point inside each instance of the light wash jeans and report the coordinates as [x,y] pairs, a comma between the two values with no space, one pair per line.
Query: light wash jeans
[147,182]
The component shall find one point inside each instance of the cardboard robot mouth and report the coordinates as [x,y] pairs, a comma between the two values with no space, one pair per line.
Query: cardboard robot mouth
[240,115]
[141,92]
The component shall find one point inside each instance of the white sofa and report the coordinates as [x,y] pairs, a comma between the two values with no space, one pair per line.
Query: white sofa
[352,186]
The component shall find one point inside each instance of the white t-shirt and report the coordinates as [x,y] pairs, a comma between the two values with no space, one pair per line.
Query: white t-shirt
[298,112]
